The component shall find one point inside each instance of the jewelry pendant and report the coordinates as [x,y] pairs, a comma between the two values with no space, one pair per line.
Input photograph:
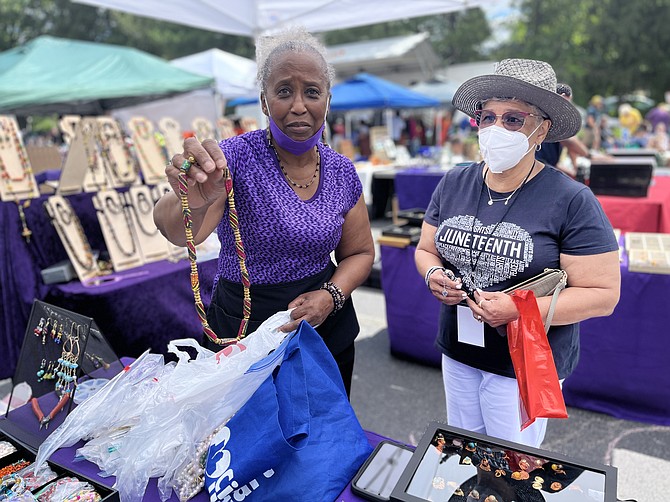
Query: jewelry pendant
[506,201]
[490,202]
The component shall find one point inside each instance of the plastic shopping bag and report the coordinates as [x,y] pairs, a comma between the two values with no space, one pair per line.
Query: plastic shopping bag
[533,361]
[296,439]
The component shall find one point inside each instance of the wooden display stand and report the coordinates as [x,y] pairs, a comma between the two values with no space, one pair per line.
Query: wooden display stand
[72,236]
[225,128]
[116,224]
[203,129]
[153,245]
[120,166]
[175,253]
[17,180]
[67,125]
[171,131]
[83,168]
[150,153]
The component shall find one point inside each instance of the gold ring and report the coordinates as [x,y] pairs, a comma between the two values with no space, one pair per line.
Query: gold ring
[191,159]
[480,303]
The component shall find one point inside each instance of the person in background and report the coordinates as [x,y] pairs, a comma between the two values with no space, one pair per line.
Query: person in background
[660,141]
[550,152]
[630,119]
[493,224]
[297,201]
[594,111]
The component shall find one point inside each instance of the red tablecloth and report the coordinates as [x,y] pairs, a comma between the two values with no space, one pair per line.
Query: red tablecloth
[641,214]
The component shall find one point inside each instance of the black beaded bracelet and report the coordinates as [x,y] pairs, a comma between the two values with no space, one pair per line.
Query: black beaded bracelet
[337,294]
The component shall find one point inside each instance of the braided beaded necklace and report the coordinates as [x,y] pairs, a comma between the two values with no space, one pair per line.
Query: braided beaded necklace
[239,248]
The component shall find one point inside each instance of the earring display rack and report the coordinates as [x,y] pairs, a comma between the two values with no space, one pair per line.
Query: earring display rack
[117,230]
[151,154]
[140,204]
[171,131]
[117,159]
[203,128]
[17,180]
[225,128]
[71,234]
[60,350]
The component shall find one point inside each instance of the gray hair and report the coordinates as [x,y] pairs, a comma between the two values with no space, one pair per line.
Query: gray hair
[294,39]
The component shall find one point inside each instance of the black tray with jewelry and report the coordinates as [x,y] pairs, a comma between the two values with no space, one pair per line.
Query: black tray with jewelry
[51,482]
[459,466]
[413,216]
[62,352]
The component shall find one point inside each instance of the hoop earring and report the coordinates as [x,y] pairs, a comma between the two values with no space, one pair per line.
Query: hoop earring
[538,147]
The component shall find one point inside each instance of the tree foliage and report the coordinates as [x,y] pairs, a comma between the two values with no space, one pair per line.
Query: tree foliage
[597,46]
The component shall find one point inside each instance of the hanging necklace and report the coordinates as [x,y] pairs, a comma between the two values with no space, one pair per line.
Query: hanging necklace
[114,208]
[60,224]
[107,136]
[283,170]
[140,213]
[506,199]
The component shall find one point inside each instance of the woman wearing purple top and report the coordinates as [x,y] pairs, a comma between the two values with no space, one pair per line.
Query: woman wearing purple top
[298,201]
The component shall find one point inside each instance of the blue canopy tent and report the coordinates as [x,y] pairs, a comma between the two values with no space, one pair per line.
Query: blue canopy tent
[367,91]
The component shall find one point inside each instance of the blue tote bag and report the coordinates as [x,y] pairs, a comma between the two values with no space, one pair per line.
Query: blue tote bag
[296,439]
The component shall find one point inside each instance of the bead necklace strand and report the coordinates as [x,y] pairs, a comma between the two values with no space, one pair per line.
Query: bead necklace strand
[140,214]
[283,170]
[106,138]
[108,223]
[138,145]
[90,262]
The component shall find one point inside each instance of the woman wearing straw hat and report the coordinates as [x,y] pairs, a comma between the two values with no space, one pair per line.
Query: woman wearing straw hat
[498,222]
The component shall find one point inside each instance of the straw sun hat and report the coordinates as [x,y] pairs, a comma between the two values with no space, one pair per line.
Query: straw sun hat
[526,80]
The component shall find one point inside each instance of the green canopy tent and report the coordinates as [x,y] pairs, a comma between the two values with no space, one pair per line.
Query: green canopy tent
[54,75]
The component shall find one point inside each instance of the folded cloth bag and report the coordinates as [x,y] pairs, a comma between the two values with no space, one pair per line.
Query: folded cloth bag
[296,439]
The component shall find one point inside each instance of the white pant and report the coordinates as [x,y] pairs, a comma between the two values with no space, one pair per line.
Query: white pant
[487,403]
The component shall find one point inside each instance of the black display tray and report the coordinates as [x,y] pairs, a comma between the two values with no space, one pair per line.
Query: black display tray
[414,216]
[23,452]
[458,465]
[408,231]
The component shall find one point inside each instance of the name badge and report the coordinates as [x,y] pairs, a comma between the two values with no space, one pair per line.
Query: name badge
[470,330]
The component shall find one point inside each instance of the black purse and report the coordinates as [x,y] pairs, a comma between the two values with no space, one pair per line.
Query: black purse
[548,283]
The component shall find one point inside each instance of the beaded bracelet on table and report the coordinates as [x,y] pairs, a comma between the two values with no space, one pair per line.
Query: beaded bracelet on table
[337,294]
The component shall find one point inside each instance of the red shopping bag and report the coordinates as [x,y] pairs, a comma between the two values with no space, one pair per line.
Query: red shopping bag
[539,389]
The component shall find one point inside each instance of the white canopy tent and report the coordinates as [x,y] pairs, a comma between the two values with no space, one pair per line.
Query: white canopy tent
[254,18]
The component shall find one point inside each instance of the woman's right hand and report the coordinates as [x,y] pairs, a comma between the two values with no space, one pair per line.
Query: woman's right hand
[446,287]
[205,177]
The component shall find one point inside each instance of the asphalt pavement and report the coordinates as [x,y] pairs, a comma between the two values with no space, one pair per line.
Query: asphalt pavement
[398,399]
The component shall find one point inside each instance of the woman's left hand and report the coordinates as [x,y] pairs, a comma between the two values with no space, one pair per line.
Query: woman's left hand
[313,307]
[493,308]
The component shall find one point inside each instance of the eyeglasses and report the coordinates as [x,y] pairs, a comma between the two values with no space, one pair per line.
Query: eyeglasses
[512,121]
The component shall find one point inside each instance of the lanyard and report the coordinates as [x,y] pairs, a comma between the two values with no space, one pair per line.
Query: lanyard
[475,261]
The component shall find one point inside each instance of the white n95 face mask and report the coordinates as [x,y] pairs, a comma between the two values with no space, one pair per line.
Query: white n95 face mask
[502,149]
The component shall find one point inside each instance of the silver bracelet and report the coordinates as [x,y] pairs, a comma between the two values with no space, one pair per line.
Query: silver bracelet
[429,273]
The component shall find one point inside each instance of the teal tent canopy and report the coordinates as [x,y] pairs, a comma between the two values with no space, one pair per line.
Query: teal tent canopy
[54,75]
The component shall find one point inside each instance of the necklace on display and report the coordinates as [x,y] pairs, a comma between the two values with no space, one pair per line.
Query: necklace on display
[506,199]
[114,208]
[142,153]
[140,213]
[108,135]
[59,222]
[283,170]
[91,152]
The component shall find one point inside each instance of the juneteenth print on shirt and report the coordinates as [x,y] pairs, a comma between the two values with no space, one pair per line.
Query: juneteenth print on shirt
[496,258]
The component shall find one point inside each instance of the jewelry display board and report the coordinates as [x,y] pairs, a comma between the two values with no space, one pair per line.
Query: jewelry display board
[71,234]
[17,180]
[117,230]
[119,163]
[224,127]
[83,168]
[67,125]
[171,131]
[648,252]
[175,253]
[150,153]
[140,203]
[60,350]
[203,129]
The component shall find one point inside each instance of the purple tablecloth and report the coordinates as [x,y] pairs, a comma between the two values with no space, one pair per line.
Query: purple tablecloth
[414,186]
[26,423]
[150,306]
[623,367]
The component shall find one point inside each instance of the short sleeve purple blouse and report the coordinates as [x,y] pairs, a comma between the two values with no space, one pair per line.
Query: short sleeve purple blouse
[285,238]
